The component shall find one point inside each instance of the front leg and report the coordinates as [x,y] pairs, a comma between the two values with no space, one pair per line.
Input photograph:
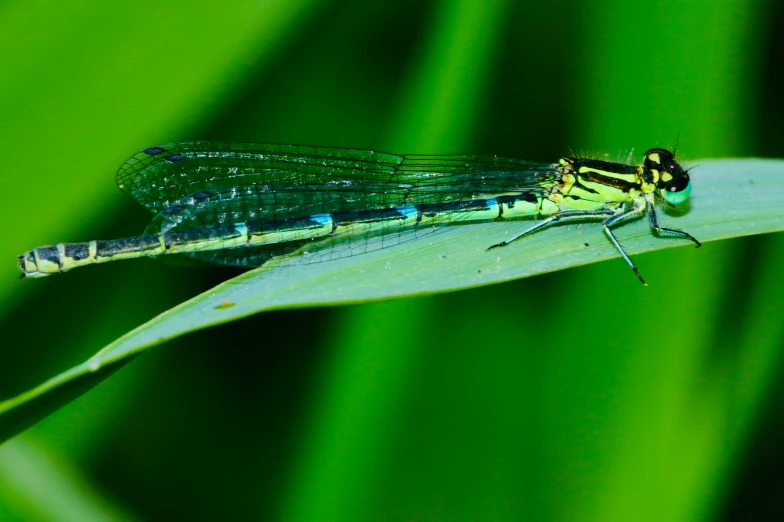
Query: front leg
[665,231]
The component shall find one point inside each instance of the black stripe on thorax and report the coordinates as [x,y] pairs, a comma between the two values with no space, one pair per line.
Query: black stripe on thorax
[606,166]
[610,181]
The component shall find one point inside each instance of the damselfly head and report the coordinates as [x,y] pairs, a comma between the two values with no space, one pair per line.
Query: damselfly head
[673,182]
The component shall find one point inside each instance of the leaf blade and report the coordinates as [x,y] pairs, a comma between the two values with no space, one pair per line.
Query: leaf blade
[731,198]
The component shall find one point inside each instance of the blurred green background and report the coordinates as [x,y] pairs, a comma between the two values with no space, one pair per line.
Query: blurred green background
[579,395]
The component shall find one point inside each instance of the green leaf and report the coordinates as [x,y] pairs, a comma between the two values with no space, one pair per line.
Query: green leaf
[731,198]
[38,482]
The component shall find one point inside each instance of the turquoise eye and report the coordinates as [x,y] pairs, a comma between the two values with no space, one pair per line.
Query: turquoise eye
[676,198]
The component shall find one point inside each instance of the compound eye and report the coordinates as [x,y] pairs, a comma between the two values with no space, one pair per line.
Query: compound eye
[677,184]
[677,191]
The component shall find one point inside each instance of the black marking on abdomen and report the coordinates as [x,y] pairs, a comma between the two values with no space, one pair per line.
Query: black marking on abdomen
[368,216]
[50,254]
[528,197]
[433,209]
[199,235]
[77,251]
[273,226]
[509,201]
[27,257]
[123,246]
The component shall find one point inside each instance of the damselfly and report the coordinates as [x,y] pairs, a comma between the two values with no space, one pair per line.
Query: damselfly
[244,204]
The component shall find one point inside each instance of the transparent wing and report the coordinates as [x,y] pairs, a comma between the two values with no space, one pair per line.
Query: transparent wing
[300,180]
[202,185]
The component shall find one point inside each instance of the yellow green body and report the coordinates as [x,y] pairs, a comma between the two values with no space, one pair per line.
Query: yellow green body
[246,205]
